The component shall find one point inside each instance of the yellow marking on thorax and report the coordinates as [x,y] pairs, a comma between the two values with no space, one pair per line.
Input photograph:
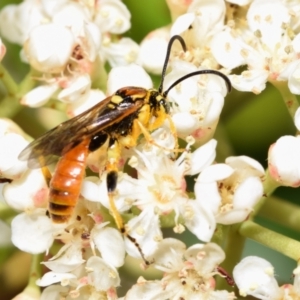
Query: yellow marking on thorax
[116,99]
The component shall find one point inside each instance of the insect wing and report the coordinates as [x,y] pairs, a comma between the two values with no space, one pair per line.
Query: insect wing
[59,140]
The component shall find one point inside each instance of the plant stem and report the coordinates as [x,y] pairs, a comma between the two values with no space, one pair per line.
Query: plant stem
[8,81]
[289,99]
[233,247]
[282,212]
[271,239]
[269,186]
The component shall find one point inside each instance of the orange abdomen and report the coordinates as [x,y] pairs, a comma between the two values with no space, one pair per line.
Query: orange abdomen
[66,182]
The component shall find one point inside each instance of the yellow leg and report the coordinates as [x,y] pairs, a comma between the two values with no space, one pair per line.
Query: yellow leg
[113,155]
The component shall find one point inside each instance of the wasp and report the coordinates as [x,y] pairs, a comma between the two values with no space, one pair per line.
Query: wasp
[115,123]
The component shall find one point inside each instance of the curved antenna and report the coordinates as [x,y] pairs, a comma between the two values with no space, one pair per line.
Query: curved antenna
[199,72]
[163,73]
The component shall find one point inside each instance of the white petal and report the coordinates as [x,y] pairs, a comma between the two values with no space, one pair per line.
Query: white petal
[9,126]
[244,162]
[112,16]
[75,89]
[215,173]
[54,292]
[214,109]
[38,236]
[250,81]
[66,260]
[182,23]
[268,18]
[27,192]
[227,50]
[185,123]
[131,75]
[90,189]
[248,193]
[255,276]
[153,50]
[209,17]
[121,53]
[39,95]
[150,290]
[145,228]
[71,15]
[283,158]
[110,244]
[294,79]
[11,145]
[49,47]
[52,277]
[208,195]
[101,275]
[203,157]
[168,256]
[213,255]
[199,220]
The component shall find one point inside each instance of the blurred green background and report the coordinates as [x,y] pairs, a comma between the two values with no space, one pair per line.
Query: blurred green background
[249,125]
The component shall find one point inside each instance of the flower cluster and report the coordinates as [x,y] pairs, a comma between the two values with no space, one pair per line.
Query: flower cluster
[69,45]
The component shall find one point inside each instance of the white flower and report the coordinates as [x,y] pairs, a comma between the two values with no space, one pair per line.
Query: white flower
[255,276]
[95,279]
[112,16]
[121,53]
[39,234]
[283,160]
[67,259]
[101,275]
[198,101]
[230,190]
[205,17]
[16,21]
[109,242]
[266,46]
[49,47]
[188,273]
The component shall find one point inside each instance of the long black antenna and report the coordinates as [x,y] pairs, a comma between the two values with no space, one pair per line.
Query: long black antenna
[163,73]
[199,72]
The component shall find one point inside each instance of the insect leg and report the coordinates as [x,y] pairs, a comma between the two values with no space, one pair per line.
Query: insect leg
[150,140]
[113,155]
[46,173]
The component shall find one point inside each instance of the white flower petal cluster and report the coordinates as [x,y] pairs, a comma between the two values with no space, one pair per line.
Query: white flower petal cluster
[267,45]
[68,42]
[230,190]
[255,276]
[188,273]
[283,161]
[197,101]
